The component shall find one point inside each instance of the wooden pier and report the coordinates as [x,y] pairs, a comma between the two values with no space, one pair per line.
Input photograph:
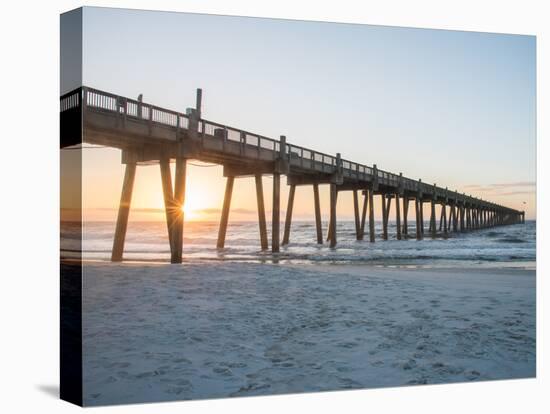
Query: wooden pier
[149,134]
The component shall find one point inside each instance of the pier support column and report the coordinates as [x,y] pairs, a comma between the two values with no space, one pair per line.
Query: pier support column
[364,214]
[288,218]
[384,217]
[417,211]
[388,206]
[329,231]
[397,217]
[123,212]
[332,225]
[179,199]
[371,214]
[225,211]
[430,222]
[481,218]
[453,216]
[444,207]
[318,225]
[422,217]
[432,218]
[275,221]
[261,211]
[405,213]
[169,202]
[356,215]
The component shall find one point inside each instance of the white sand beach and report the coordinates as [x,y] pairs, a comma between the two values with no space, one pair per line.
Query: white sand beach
[210,330]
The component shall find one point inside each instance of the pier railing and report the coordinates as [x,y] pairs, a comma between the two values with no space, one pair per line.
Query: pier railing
[297,156]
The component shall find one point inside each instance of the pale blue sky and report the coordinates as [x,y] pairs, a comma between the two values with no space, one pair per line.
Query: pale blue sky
[456,108]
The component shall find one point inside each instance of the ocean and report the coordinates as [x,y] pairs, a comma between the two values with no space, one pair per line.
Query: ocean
[505,246]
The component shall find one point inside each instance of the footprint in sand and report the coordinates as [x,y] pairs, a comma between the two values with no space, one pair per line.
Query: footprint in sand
[224,371]
[472,375]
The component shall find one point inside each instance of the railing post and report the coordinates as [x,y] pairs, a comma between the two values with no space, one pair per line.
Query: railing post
[84,98]
[139,110]
[198,104]
[242,140]
[150,123]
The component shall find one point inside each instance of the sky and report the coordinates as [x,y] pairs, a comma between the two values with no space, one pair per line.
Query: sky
[453,108]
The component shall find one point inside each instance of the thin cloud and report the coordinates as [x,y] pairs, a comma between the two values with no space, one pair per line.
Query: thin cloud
[244,211]
[233,210]
[490,187]
[148,210]
[512,193]
[521,187]
[209,211]
[134,209]
[516,184]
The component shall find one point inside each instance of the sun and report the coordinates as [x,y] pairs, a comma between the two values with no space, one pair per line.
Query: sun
[194,205]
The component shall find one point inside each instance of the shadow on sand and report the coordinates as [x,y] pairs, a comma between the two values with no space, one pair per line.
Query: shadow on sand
[49,389]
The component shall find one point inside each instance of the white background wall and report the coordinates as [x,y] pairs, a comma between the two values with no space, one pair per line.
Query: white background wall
[29,203]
